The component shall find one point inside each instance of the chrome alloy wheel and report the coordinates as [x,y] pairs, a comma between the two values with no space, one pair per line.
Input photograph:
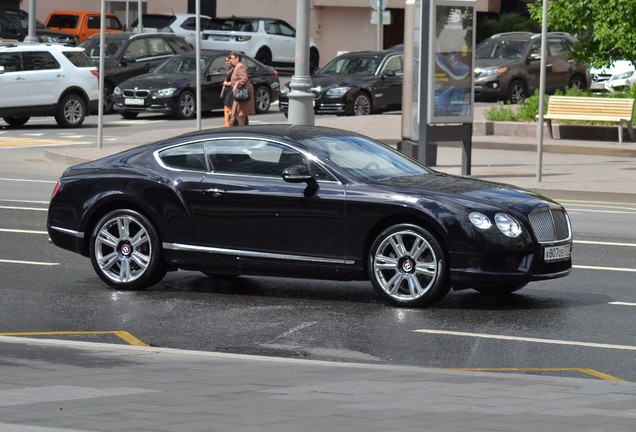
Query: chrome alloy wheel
[361,105]
[73,111]
[405,265]
[123,249]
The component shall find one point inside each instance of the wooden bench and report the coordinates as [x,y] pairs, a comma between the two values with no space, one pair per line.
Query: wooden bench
[617,110]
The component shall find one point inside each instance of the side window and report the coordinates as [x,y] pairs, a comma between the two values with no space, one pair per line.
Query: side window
[271,27]
[394,64]
[12,62]
[286,30]
[39,60]
[179,45]
[189,157]
[190,24]
[78,58]
[159,47]
[93,22]
[137,48]
[113,23]
[251,157]
[557,48]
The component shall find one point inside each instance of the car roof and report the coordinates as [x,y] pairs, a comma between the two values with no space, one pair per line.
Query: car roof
[78,12]
[130,35]
[34,46]
[294,132]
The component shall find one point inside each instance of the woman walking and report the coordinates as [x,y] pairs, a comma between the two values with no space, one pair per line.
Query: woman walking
[227,94]
[241,109]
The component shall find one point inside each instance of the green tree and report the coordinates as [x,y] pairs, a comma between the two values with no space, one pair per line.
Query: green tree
[606,29]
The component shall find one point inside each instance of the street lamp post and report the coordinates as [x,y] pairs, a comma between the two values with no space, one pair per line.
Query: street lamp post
[301,109]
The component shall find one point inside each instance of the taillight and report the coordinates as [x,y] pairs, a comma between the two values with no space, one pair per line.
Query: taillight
[95,72]
[275,73]
[55,189]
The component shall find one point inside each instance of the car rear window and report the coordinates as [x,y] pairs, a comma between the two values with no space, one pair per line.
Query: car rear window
[155,21]
[233,24]
[78,58]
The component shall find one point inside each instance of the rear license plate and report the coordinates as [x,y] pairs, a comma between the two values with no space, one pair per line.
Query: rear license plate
[134,102]
[556,253]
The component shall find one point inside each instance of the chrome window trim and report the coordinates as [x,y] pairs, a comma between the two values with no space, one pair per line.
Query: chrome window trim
[78,234]
[310,156]
[253,254]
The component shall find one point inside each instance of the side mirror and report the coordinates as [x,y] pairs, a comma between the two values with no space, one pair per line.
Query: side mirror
[128,59]
[534,57]
[301,174]
[389,74]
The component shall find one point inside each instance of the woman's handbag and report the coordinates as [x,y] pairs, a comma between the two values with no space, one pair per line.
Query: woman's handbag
[222,96]
[242,94]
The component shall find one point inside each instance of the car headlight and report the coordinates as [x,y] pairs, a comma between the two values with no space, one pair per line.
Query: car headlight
[507,225]
[480,220]
[337,91]
[490,72]
[622,76]
[167,92]
[117,91]
[284,90]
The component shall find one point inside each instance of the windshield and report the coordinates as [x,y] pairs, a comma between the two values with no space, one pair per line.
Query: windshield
[233,24]
[500,48]
[364,159]
[349,65]
[180,65]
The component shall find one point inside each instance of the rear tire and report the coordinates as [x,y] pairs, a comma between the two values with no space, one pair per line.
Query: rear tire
[125,250]
[16,121]
[71,111]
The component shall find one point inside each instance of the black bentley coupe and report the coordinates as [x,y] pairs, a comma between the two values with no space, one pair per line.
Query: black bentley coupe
[305,202]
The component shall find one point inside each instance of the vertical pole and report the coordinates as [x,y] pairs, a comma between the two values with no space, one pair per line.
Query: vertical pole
[301,108]
[197,47]
[31,36]
[379,32]
[544,52]
[102,42]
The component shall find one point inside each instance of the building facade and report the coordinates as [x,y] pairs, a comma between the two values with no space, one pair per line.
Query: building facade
[336,25]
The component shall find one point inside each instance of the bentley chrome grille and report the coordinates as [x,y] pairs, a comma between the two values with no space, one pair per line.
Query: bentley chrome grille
[550,225]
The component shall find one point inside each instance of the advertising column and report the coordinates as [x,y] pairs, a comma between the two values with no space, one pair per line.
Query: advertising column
[451,62]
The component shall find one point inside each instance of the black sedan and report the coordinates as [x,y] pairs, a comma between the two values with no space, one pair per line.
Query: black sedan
[308,202]
[171,87]
[356,83]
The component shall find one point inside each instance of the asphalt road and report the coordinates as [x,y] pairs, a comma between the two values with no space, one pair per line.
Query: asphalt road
[580,326]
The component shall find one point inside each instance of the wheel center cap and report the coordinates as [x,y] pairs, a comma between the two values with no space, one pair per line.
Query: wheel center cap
[126,249]
[408,265]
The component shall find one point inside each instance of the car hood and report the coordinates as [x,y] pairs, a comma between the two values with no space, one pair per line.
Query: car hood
[486,63]
[462,188]
[153,81]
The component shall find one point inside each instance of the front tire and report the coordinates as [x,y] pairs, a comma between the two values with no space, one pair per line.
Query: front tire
[71,111]
[186,107]
[408,267]
[361,105]
[125,251]
[517,92]
[263,99]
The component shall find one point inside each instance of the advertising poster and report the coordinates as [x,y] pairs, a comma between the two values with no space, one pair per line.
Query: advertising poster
[452,63]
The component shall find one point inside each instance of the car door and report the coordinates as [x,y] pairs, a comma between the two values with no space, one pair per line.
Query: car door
[389,87]
[246,205]
[281,38]
[13,84]
[561,65]
[212,83]
[44,77]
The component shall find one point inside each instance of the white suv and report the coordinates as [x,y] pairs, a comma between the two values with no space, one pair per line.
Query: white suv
[47,80]
[268,40]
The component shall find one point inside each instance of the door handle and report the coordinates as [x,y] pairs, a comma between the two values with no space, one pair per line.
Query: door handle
[215,192]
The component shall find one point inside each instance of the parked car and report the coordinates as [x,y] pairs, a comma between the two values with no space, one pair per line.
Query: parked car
[307,202]
[82,24]
[171,87]
[14,26]
[356,83]
[270,41]
[621,75]
[46,80]
[508,66]
[131,54]
[182,24]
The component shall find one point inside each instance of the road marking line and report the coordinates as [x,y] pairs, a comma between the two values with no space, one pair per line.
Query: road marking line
[19,231]
[622,303]
[25,201]
[602,211]
[587,371]
[595,203]
[28,262]
[528,339]
[615,269]
[28,180]
[590,242]
[23,208]
[124,335]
